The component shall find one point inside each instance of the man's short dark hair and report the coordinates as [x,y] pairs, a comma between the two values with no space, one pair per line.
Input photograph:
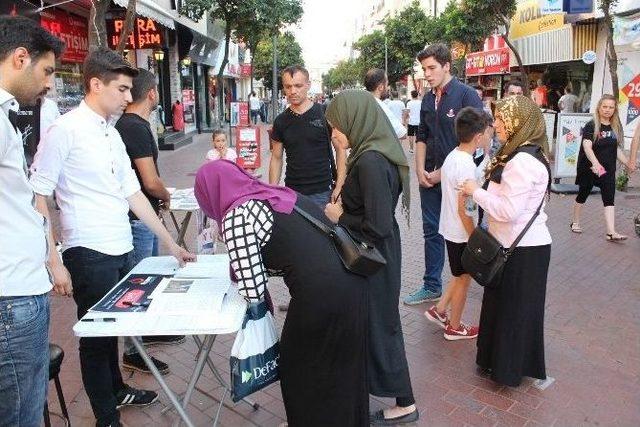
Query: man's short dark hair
[469,122]
[374,78]
[439,51]
[414,94]
[514,82]
[142,84]
[292,69]
[18,31]
[106,65]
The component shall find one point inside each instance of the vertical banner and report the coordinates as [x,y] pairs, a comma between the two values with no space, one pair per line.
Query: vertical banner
[239,114]
[248,147]
[568,140]
[189,103]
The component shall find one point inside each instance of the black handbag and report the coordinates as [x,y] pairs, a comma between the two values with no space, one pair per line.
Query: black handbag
[358,257]
[484,257]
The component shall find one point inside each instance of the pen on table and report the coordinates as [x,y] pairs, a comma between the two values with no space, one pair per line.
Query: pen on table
[99,319]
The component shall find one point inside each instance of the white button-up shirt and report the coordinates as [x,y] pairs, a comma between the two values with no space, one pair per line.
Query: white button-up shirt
[82,157]
[23,230]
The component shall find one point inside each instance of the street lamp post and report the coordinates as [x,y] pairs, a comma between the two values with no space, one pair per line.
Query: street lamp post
[386,56]
[274,100]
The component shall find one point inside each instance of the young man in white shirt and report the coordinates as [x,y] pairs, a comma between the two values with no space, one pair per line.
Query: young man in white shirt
[27,64]
[377,83]
[414,118]
[83,159]
[456,224]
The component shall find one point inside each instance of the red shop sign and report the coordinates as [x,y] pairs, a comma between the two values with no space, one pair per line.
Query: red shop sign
[245,70]
[147,34]
[494,61]
[72,29]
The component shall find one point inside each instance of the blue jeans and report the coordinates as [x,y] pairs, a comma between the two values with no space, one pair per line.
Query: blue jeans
[320,199]
[24,359]
[145,243]
[430,202]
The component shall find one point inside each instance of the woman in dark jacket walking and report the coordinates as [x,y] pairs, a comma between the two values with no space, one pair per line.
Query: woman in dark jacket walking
[377,173]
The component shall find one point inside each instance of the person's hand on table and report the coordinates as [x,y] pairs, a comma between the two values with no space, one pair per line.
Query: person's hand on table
[468,186]
[61,279]
[333,211]
[181,254]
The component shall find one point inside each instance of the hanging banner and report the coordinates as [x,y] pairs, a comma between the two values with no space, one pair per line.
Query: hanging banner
[490,62]
[72,29]
[626,29]
[568,140]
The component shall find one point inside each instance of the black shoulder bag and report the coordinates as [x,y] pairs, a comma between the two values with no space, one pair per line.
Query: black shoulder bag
[358,257]
[484,257]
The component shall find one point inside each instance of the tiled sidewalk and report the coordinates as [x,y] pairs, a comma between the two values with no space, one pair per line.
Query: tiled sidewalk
[592,337]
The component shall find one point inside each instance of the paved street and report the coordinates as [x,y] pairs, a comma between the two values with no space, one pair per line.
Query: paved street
[592,336]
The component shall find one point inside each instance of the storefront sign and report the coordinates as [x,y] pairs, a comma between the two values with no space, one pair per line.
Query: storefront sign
[189,104]
[578,6]
[72,29]
[626,29]
[550,6]
[245,70]
[589,57]
[632,91]
[490,62]
[146,34]
[529,20]
[248,147]
[568,140]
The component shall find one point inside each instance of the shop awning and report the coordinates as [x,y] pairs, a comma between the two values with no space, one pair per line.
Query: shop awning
[203,50]
[149,9]
[546,48]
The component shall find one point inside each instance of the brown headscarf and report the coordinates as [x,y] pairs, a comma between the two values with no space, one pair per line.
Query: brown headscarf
[524,124]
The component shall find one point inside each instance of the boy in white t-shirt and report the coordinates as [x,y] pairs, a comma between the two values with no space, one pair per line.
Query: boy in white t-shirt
[473,130]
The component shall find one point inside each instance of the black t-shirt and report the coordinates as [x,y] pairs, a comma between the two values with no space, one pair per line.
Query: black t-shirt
[605,147]
[138,139]
[305,139]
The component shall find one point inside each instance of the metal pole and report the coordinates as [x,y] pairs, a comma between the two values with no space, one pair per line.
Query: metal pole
[386,56]
[274,99]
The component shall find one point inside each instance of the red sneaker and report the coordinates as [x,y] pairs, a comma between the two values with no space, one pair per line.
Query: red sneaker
[463,332]
[437,318]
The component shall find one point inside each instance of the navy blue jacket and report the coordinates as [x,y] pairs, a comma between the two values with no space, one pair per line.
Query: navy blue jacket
[436,128]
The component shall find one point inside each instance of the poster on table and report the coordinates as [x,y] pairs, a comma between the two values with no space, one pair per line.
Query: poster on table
[568,140]
[130,295]
[248,147]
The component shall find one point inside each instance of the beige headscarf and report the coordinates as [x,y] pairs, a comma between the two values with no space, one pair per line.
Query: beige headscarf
[524,124]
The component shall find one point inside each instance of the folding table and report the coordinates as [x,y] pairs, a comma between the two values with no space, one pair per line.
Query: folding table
[225,321]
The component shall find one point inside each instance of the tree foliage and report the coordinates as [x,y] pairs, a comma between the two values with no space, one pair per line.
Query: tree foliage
[345,75]
[289,53]
[607,8]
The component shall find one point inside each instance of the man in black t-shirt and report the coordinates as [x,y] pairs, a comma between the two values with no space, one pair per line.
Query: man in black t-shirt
[135,130]
[301,131]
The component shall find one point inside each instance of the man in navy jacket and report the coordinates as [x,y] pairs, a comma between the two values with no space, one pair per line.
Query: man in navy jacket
[434,140]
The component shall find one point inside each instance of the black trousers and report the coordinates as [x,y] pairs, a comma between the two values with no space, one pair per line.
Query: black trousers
[93,274]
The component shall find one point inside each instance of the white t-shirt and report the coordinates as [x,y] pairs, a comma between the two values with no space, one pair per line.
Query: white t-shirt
[254,103]
[568,103]
[414,111]
[396,106]
[398,128]
[457,167]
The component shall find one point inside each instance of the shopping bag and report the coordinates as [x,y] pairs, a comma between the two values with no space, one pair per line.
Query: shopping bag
[255,353]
